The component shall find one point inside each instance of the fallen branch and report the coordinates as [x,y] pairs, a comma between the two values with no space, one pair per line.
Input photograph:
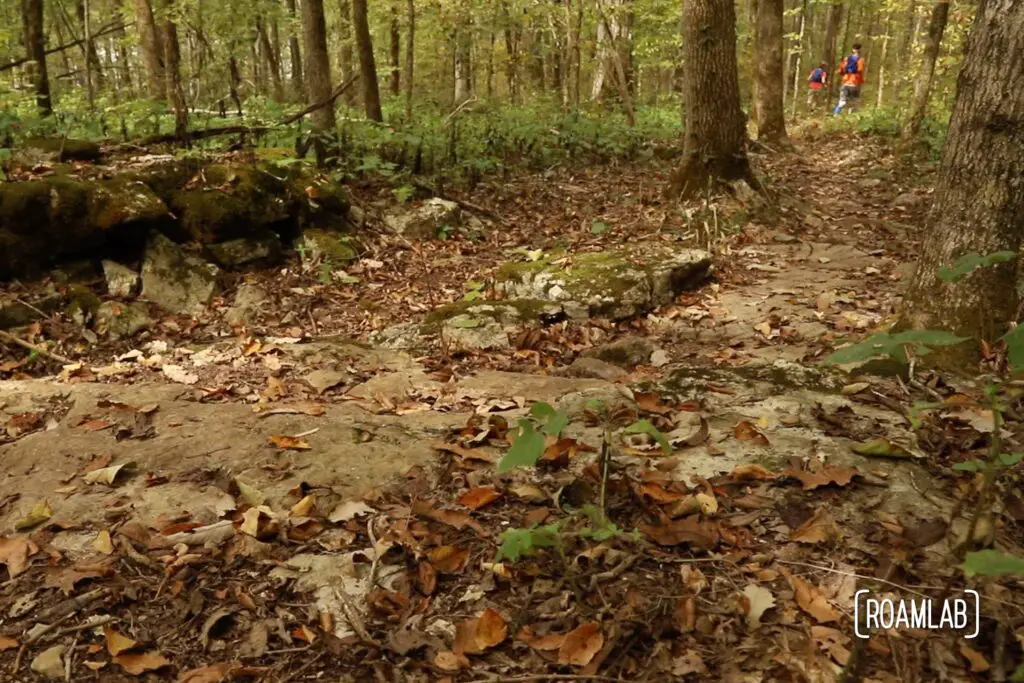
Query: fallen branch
[250,130]
[8,337]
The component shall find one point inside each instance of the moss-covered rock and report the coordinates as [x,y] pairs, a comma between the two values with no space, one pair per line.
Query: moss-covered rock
[627,352]
[118,320]
[263,248]
[174,279]
[506,312]
[61,149]
[82,304]
[326,246]
[615,284]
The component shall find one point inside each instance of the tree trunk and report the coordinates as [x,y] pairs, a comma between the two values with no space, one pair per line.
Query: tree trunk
[318,65]
[799,55]
[489,78]
[409,57]
[152,53]
[273,66]
[235,81]
[536,64]
[35,46]
[979,197]
[463,64]
[768,104]
[884,58]
[923,87]
[574,24]
[512,36]
[295,56]
[714,147]
[346,57]
[395,82]
[832,22]
[172,71]
[601,58]
[367,66]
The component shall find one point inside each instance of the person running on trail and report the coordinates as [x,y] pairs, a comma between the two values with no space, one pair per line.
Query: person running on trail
[816,83]
[852,71]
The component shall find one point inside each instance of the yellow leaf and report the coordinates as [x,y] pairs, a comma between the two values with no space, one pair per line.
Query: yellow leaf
[39,513]
[102,543]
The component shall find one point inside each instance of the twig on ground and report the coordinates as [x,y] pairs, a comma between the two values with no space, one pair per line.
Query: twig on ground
[354,619]
[543,677]
[79,627]
[7,336]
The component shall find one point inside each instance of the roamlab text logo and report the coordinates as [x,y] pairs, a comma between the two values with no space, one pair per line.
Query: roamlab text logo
[960,613]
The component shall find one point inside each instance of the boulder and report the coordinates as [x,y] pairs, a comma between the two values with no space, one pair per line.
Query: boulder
[593,368]
[469,333]
[430,219]
[174,279]
[263,249]
[326,246]
[612,284]
[627,352]
[249,298]
[508,312]
[122,281]
[117,320]
[82,304]
[58,150]
[404,336]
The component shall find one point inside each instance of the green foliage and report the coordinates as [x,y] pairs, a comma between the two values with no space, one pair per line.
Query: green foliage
[598,227]
[894,345]
[969,262]
[1015,347]
[526,449]
[645,427]
[474,290]
[518,542]
[992,563]
[552,421]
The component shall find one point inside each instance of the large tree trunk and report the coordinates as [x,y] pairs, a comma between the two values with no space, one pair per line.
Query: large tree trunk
[172,70]
[295,56]
[410,44]
[799,55]
[574,26]
[367,65]
[923,87]
[714,148]
[601,61]
[769,107]
[463,40]
[395,50]
[828,55]
[152,53]
[318,64]
[979,198]
[35,47]
[347,59]
[884,58]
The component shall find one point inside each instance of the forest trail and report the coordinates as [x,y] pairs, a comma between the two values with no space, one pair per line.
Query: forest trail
[328,565]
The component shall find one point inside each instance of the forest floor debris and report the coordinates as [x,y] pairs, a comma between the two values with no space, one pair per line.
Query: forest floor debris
[283,501]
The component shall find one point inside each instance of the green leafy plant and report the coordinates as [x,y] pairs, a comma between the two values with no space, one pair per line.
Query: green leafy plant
[968,263]
[474,290]
[516,543]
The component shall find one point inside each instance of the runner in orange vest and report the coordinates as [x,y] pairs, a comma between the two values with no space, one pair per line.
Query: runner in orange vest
[852,73]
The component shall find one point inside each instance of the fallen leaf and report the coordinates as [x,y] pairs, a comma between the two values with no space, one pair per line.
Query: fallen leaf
[15,553]
[426,578]
[530,493]
[250,495]
[545,643]
[855,388]
[833,642]
[447,661]
[757,601]
[7,643]
[116,642]
[213,625]
[658,493]
[50,662]
[746,431]
[976,659]
[304,507]
[650,402]
[819,528]
[841,476]
[349,510]
[138,664]
[477,498]
[811,600]
[289,443]
[581,644]
[107,475]
[689,530]
[491,629]
[881,448]
[465,453]
[215,673]
[102,543]
[39,513]
[97,425]
[448,558]
[751,472]
[176,373]
[458,520]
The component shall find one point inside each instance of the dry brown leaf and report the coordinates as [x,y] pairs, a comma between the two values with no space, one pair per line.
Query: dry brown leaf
[491,629]
[448,558]
[841,476]
[477,498]
[458,520]
[976,659]
[833,642]
[650,402]
[746,431]
[289,443]
[545,643]
[756,601]
[465,453]
[15,553]
[811,600]
[819,528]
[581,644]
[215,673]
[117,643]
[658,493]
[7,643]
[138,664]
[751,472]
[689,530]
[448,661]
[426,578]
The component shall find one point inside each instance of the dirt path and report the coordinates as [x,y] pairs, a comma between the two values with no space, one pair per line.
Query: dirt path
[254,530]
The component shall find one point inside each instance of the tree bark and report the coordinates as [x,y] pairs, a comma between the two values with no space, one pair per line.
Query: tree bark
[346,55]
[152,53]
[367,65]
[799,55]
[318,65]
[770,112]
[979,197]
[395,82]
[295,56]
[832,23]
[410,44]
[714,148]
[35,47]
[883,60]
[273,66]
[172,70]
[463,70]
[574,25]
[923,87]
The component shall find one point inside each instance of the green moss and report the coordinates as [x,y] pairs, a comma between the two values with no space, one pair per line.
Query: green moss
[66,148]
[329,247]
[517,271]
[523,310]
[82,303]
